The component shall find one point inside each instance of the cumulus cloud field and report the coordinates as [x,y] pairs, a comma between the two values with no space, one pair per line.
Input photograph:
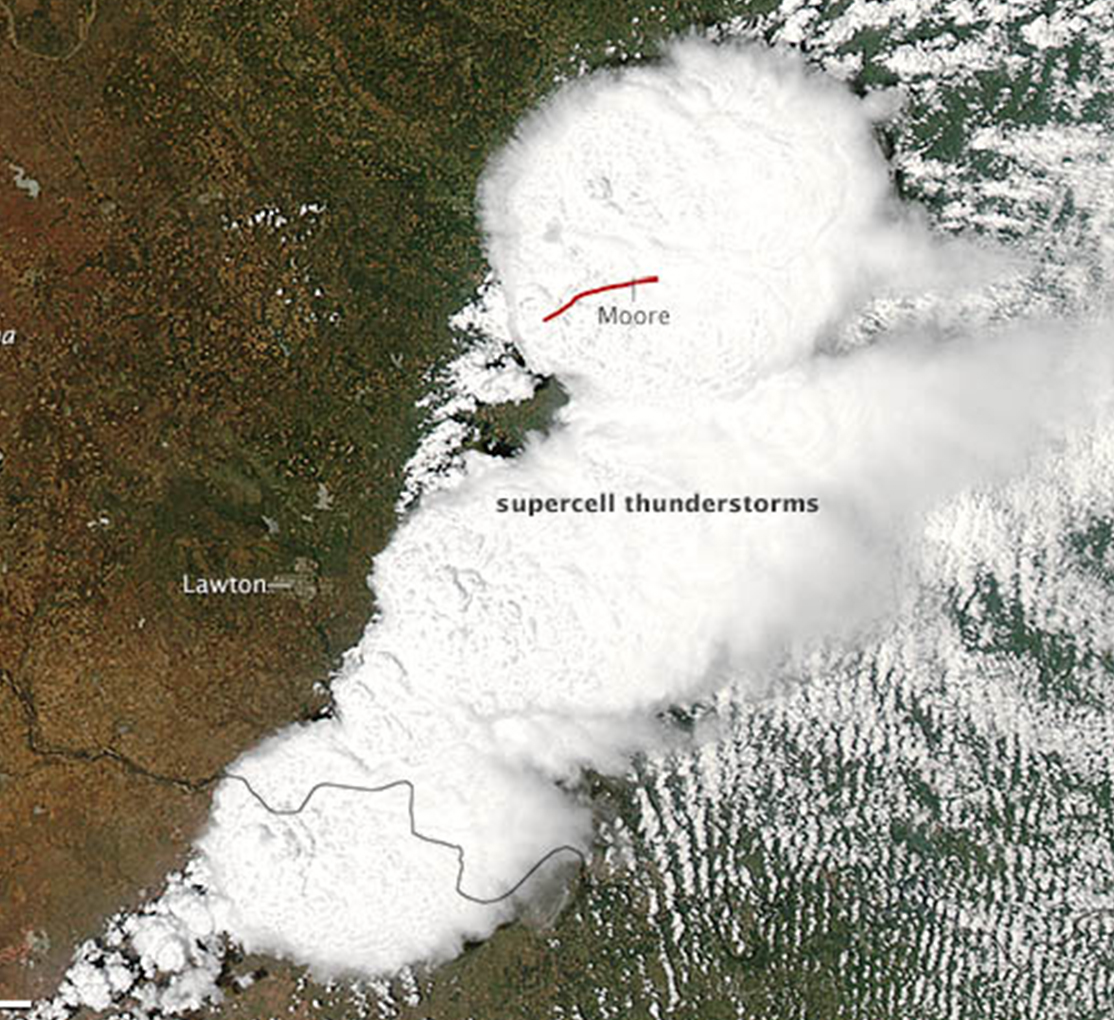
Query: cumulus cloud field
[508,652]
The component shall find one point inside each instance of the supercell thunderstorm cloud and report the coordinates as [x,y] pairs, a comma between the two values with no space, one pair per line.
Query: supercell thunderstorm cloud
[510,650]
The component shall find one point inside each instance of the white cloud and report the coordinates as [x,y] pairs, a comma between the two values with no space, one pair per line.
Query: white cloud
[509,651]
[165,958]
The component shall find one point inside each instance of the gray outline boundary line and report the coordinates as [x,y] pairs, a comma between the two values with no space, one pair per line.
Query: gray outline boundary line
[31,724]
[432,840]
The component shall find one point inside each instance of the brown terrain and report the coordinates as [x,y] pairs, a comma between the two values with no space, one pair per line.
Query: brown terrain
[230,236]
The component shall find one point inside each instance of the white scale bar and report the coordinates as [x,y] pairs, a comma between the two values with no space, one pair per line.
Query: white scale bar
[15,1004]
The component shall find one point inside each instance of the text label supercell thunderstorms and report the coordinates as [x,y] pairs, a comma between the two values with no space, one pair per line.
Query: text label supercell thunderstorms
[505,657]
[640,503]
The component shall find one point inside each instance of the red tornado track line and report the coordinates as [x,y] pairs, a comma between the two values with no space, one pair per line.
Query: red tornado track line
[597,290]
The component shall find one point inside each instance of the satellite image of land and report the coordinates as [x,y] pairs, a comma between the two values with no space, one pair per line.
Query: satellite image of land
[560,511]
